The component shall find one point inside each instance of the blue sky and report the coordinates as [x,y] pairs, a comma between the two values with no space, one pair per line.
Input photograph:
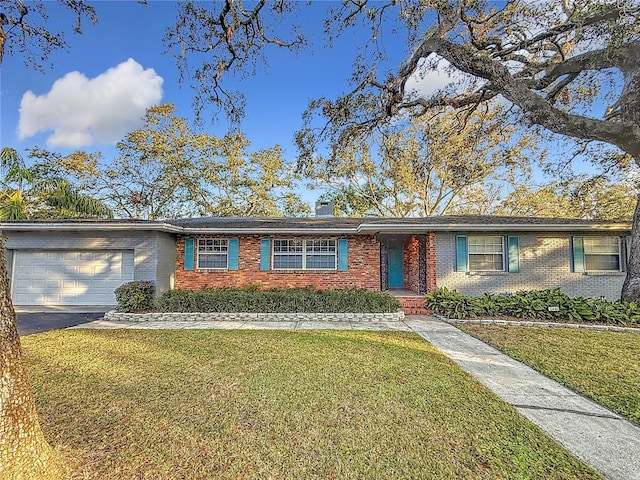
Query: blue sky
[98,90]
[115,69]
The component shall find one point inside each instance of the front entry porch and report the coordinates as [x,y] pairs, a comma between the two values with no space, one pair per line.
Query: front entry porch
[408,269]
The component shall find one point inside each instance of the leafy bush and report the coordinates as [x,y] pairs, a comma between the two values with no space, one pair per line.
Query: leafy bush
[254,300]
[452,304]
[533,305]
[135,296]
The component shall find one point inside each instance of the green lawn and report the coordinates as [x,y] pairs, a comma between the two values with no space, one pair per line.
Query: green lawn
[604,366]
[277,404]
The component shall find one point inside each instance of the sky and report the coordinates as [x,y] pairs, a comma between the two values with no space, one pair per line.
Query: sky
[99,88]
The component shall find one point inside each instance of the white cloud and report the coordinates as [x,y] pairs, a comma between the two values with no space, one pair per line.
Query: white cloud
[82,111]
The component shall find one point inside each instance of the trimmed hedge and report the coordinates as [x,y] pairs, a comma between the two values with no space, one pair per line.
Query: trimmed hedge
[135,296]
[534,305]
[296,300]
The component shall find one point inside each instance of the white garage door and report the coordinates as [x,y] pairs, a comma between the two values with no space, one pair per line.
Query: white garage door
[69,277]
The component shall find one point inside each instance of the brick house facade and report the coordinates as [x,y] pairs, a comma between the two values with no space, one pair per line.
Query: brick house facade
[412,256]
[363,267]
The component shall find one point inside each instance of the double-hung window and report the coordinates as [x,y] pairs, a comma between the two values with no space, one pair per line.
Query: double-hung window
[315,254]
[602,254]
[288,254]
[486,253]
[213,253]
[320,254]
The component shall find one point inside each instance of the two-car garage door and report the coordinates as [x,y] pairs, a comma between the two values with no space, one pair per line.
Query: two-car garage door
[69,277]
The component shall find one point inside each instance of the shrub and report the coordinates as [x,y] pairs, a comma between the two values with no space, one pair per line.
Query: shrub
[452,304]
[135,296]
[254,300]
[534,305]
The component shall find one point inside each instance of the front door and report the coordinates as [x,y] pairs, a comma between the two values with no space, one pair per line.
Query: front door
[395,263]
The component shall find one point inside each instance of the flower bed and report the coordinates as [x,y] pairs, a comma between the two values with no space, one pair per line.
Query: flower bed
[544,305]
[136,303]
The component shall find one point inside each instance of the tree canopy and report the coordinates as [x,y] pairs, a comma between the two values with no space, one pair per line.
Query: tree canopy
[167,170]
[32,193]
[25,30]
[426,167]
[585,197]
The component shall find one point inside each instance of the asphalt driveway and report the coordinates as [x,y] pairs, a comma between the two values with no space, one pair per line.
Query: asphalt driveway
[29,323]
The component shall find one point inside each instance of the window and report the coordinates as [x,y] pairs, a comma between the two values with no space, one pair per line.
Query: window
[213,253]
[486,253]
[602,254]
[287,253]
[317,254]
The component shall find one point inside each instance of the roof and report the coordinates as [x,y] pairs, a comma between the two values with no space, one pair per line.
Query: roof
[328,225]
[488,223]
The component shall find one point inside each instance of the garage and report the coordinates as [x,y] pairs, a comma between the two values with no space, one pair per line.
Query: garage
[69,277]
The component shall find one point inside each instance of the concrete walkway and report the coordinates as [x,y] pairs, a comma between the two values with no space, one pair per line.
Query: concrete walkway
[252,325]
[601,439]
[598,437]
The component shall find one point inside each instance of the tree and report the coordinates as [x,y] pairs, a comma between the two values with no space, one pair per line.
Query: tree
[155,169]
[29,193]
[57,198]
[24,452]
[555,62]
[426,167]
[24,29]
[589,198]
[15,176]
[166,170]
[242,184]
[228,38]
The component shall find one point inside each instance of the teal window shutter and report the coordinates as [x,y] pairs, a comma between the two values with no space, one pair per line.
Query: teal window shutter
[462,254]
[265,254]
[189,253]
[343,255]
[578,255]
[513,252]
[233,254]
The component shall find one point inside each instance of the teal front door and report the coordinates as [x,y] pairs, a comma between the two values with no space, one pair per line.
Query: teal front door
[395,265]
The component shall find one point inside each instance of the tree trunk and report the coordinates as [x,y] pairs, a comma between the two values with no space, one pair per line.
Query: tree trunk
[631,287]
[24,453]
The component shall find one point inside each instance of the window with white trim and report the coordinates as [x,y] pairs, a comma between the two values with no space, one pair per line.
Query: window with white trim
[315,254]
[486,253]
[213,253]
[602,254]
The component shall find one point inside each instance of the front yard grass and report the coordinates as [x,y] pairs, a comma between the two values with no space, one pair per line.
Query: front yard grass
[604,366]
[214,404]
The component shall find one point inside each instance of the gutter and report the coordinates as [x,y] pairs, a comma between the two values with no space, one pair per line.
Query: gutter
[372,228]
[271,231]
[163,227]
[169,228]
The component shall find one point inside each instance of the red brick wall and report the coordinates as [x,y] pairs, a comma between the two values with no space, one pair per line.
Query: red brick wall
[363,268]
[411,264]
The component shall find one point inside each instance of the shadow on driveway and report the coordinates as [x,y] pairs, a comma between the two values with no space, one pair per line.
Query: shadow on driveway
[29,323]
